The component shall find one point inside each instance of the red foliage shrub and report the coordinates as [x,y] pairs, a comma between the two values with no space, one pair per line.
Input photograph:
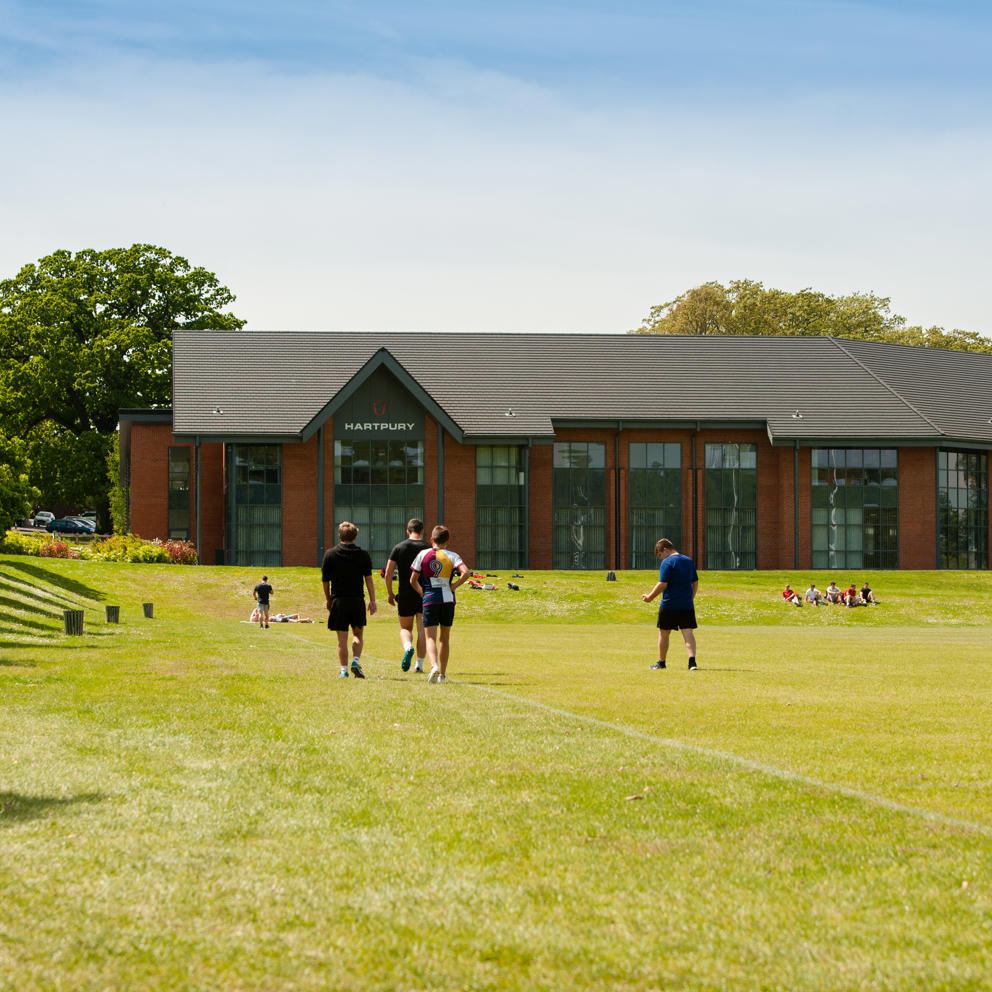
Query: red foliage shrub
[58,549]
[181,552]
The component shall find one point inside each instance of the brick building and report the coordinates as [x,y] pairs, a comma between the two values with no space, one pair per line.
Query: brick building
[569,451]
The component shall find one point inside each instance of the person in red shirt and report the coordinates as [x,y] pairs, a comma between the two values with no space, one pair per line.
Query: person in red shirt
[851,597]
[791,596]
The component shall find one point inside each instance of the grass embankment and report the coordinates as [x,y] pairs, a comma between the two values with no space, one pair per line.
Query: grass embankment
[189,802]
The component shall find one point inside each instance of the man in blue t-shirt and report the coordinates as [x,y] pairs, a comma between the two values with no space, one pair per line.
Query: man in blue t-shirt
[677,583]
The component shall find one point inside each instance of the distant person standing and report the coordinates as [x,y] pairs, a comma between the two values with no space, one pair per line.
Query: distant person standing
[262,592]
[342,572]
[677,583]
[409,604]
[432,576]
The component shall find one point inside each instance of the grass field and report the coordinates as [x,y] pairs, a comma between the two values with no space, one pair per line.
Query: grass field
[190,803]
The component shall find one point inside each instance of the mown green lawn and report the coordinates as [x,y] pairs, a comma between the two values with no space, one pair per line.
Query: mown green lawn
[190,803]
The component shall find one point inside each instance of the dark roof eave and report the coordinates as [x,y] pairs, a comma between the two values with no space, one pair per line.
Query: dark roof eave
[147,416]
[841,441]
[219,438]
[685,423]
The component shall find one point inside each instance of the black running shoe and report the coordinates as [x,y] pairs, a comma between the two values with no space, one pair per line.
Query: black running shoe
[657,665]
[693,667]
[356,670]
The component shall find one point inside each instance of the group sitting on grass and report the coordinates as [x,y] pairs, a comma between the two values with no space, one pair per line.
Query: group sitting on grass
[833,594]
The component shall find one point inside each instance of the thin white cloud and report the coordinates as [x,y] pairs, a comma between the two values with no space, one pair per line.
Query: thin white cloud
[472,199]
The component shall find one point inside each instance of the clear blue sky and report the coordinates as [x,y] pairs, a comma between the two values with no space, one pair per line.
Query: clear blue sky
[507,166]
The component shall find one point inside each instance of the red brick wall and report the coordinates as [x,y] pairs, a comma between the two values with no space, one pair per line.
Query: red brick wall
[430,474]
[150,445]
[149,495]
[776,507]
[805,507]
[459,497]
[299,503]
[917,512]
[150,480]
[330,526]
[539,506]
[212,536]
[988,489]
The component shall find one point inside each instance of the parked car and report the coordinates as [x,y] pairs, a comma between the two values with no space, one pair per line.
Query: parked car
[68,525]
[87,515]
[42,518]
[90,525]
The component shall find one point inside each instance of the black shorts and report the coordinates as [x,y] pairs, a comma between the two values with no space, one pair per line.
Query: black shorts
[345,612]
[408,603]
[677,619]
[436,614]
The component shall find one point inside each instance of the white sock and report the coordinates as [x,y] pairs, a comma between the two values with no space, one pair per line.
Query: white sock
[357,659]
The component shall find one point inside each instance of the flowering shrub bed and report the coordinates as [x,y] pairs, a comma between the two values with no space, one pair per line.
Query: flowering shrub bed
[58,549]
[13,543]
[120,547]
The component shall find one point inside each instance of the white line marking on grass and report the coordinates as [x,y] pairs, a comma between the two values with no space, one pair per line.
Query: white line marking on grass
[755,766]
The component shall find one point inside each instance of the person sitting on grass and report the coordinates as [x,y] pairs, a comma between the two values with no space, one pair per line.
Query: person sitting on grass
[867,596]
[791,596]
[813,595]
[851,597]
[833,593]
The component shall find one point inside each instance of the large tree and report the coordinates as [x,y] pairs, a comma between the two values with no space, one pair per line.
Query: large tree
[84,335]
[16,493]
[747,307]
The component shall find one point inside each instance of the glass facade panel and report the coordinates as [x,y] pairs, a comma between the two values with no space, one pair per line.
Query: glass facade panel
[499,506]
[579,505]
[655,499]
[179,494]
[962,509]
[730,483]
[254,512]
[855,500]
[378,486]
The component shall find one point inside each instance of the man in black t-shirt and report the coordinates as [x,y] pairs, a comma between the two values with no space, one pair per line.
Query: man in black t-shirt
[342,572]
[409,605]
[262,592]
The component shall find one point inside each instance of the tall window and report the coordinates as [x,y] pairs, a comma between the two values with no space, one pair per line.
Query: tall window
[179,493]
[579,510]
[378,486]
[499,506]
[730,481]
[855,507]
[254,504]
[655,494]
[962,509]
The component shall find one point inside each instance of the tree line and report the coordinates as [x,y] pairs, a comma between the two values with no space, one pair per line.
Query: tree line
[82,336]
[85,335]
[746,307]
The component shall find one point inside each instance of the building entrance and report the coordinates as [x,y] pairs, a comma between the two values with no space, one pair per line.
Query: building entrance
[378,486]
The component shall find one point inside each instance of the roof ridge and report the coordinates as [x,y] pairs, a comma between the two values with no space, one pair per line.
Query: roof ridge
[884,384]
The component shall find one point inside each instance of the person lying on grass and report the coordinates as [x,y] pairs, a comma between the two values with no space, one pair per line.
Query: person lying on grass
[278,617]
